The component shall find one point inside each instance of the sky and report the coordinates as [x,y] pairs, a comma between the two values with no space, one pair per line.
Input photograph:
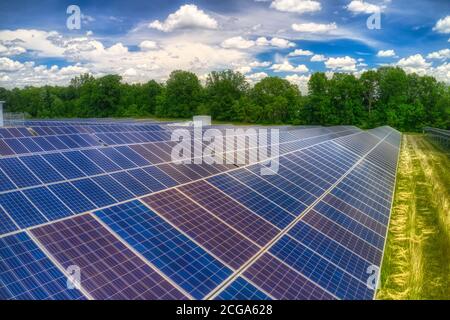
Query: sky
[143,40]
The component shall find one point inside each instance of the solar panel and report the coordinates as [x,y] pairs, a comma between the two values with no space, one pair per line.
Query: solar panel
[18,173]
[26,273]
[310,231]
[178,257]
[110,270]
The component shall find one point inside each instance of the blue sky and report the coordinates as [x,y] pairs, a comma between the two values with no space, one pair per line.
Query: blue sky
[142,40]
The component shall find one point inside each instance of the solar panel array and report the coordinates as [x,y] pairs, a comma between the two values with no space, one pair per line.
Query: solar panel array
[106,197]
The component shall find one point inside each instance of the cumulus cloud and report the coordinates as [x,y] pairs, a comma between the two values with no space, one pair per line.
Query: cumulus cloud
[300,80]
[287,67]
[297,6]
[8,65]
[312,27]
[386,53]
[443,25]
[358,6]
[241,43]
[188,16]
[300,52]
[238,43]
[440,55]
[274,42]
[260,64]
[148,45]
[415,63]
[345,64]
[318,58]
[255,77]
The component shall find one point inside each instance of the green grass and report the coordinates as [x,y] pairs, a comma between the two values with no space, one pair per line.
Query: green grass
[416,263]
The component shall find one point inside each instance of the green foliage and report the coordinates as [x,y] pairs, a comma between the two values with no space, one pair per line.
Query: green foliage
[384,96]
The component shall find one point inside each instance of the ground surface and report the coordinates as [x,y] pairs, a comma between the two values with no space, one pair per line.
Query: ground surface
[417,256]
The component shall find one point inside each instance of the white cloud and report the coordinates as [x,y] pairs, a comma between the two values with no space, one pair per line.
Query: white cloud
[300,52]
[8,65]
[386,53]
[297,6]
[187,16]
[260,64]
[148,45]
[314,27]
[274,42]
[287,67]
[415,63]
[300,80]
[9,49]
[345,64]
[238,43]
[358,6]
[443,25]
[243,69]
[440,55]
[318,58]
[242,43]
[255,77]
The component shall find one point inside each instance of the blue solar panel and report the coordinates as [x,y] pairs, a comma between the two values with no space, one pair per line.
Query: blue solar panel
[190,266]
[18,173]
[71,197]
[241,289]
[137,188]
[30,145]
[93,192]
[5,183]
[6,223]
[63,165]
[57,143]
[114,188]
[21,209]
[81,161]
[160,176]
[147,180]
[26,273]
[101,160]
[320,270]
[118,158]
[42,169]
[133,156]
[47,203]
[249,198]
[16,146]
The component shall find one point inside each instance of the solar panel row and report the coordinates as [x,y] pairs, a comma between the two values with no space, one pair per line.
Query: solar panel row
[308,232]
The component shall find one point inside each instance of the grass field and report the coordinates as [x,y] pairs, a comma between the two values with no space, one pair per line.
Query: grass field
[417,256]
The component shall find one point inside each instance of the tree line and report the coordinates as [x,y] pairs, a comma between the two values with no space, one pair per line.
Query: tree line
[387,95]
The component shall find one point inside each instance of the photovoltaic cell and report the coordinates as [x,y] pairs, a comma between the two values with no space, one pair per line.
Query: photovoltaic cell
[214,235]
[93,192]
[230,211]
[240,289]
[114,188]
[6,224]
[71,197]
[18,173]
[252,200]
[42,169]
[187,264]
[50,206]
[27,274]
[110,269]
[63,165]
[283,282]
[21,210]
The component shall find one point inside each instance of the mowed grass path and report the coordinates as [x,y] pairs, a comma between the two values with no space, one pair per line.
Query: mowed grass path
[416,263]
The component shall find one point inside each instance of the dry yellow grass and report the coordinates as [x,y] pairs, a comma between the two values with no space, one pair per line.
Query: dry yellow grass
[417,257]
